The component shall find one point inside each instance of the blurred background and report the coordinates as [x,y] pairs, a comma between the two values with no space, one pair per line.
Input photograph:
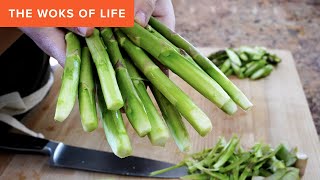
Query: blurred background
[276,24]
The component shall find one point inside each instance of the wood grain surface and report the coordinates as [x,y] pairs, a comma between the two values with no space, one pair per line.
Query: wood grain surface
[280,115]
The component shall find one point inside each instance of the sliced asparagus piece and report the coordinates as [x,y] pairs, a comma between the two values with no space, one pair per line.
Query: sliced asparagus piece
[235,93]
[195,116]
[134,107]
[262,72]
[174,121]
[70,78]
[87,101]
[159,133]
[229,72]
[233,57]
[254,67]
[167,56]
[225,66]
[114,128]
[106,73]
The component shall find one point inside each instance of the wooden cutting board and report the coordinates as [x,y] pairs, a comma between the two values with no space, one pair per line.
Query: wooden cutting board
[280,115]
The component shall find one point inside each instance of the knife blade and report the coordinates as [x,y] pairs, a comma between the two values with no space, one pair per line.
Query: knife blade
[78,158]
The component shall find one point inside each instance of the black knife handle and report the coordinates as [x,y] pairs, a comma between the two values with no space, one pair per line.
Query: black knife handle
[24,144]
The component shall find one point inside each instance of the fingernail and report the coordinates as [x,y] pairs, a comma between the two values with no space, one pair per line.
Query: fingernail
[82,31]
[141,18]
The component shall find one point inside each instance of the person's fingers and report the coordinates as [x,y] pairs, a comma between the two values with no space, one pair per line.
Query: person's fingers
[50,40]
[82,31]
[164,12]
[143,9]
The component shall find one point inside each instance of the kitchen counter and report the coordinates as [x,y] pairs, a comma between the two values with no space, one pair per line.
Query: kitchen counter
[274,24]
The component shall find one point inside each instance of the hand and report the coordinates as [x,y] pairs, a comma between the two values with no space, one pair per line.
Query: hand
[51,40]
[160,9]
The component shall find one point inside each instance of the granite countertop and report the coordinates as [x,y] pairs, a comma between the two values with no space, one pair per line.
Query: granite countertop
[274,24]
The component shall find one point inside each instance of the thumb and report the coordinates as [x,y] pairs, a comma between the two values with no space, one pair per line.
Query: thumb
[82,31]
[143,10]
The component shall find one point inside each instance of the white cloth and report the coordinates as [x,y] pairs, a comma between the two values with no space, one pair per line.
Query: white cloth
[12,104]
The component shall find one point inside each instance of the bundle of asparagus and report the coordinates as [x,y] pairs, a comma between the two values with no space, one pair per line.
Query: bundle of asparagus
[229,160]
[110,68]
[245,62]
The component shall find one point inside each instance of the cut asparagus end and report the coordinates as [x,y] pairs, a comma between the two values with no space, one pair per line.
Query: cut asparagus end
[106,73]
[301,162]
[173,120]
[70,78]
[86,95]
[114,128]
[158,138]
[203,125]
[62,112]
[230,107]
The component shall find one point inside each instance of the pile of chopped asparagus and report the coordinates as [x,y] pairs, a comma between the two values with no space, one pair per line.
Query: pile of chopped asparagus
[230,161]
[245,62]
[108,72]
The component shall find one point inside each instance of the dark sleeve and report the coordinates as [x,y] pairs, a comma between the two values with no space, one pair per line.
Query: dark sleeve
[23,67]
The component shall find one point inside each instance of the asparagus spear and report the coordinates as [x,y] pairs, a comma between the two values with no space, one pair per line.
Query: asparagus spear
[235,93]
[134,107]
[106,73]
[197,118]
[87,102]
[114,128]
[165,54]
[70,78]
[159,133]
[174,121]
[181,51]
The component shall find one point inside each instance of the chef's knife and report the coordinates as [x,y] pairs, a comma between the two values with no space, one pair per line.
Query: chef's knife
[66,156]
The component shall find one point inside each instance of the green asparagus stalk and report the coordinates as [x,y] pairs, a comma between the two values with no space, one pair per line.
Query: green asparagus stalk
[159,133]
[106,73]
[235,93]
[174,121]
[134,107]
[197,118]
[114,128]
[70,78]
[181,51]
[166,55]
[87,101]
